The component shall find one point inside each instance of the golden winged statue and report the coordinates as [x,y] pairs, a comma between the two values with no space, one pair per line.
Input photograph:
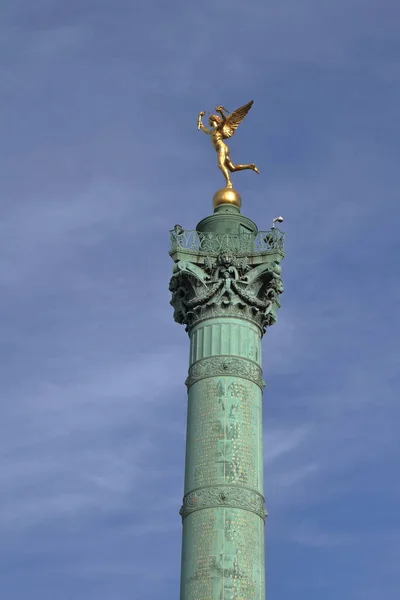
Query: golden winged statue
[222,128]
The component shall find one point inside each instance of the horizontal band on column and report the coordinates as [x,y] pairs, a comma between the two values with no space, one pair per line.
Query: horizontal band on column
[225,365]
[223,496]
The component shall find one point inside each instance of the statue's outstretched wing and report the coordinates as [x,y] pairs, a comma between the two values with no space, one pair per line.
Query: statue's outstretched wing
[233,121]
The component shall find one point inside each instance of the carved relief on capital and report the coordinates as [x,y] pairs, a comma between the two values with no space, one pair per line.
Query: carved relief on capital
[225,286]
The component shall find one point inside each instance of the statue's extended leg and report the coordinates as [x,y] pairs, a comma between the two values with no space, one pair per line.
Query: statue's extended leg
[234,168]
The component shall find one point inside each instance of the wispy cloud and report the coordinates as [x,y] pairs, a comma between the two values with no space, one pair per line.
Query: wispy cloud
[55,442]
[281,442]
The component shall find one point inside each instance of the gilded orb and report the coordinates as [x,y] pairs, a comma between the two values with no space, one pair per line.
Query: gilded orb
[227,196]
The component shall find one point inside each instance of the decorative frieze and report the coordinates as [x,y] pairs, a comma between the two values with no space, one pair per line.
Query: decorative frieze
[225,365]
[223,496]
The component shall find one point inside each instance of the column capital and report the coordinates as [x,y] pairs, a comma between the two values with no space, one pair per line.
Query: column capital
[216,275]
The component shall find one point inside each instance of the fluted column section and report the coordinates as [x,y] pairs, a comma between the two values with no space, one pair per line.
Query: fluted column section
[223,508]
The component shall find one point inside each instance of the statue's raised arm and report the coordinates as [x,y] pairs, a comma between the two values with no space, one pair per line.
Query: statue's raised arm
[200,123]
[222,128]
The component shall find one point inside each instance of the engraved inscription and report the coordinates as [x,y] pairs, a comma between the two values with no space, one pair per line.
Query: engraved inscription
[204,531]
[228,558]
[224,435]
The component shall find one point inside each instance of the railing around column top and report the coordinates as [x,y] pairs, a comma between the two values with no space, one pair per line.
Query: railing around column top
[215,243]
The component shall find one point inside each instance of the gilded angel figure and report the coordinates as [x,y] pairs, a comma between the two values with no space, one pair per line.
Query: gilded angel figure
[222,128]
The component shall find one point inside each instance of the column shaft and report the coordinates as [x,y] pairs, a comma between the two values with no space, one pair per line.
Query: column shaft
[223,509]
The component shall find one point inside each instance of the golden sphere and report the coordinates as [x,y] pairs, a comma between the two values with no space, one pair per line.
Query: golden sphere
[227,196]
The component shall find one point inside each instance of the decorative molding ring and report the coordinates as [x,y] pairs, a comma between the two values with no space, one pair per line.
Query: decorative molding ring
[223,497]
[225,365]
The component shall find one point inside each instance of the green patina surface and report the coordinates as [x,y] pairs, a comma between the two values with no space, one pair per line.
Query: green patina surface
[225,288]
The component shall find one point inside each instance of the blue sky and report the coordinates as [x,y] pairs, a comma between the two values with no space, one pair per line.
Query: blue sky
[99,158]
